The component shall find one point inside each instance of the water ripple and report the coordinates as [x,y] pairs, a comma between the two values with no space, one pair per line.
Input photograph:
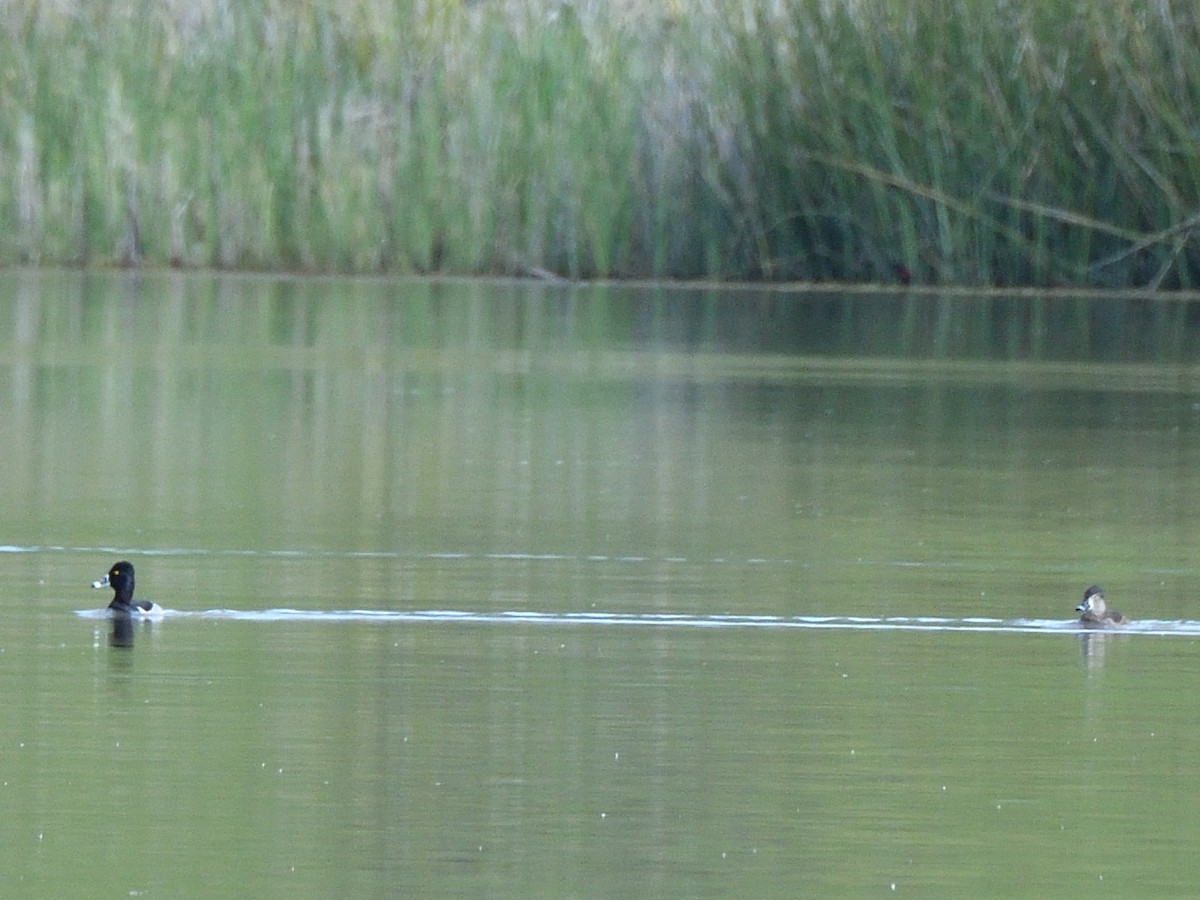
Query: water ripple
[680,620]
[525,557]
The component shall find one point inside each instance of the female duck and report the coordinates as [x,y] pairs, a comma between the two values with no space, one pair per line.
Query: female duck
[120,579]
[1096,613]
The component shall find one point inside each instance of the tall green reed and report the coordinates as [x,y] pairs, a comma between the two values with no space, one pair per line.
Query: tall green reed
[981,142]
[969,141]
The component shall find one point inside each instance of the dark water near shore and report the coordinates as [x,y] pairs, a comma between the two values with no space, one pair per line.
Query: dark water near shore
[485,589]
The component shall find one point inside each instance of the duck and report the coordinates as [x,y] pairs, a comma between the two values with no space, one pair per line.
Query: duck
[120,579]
[1095,612]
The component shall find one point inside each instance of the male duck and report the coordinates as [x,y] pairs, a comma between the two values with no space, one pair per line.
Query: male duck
[1096,613]
[120,579]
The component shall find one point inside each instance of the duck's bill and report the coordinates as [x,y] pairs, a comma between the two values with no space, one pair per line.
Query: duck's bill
[102,583]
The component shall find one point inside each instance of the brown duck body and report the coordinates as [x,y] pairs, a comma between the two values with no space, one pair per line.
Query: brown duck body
[1095,612]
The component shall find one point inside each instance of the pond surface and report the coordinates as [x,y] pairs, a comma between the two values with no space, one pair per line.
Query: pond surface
[480,589]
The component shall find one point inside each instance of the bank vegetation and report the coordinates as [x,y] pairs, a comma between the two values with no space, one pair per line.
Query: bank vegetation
[978,142]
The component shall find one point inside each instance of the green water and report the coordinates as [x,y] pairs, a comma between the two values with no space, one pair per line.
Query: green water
[358,451]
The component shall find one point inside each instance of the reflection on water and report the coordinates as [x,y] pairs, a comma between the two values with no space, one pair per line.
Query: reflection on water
[1093,644]
[121,635]
[477,588]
